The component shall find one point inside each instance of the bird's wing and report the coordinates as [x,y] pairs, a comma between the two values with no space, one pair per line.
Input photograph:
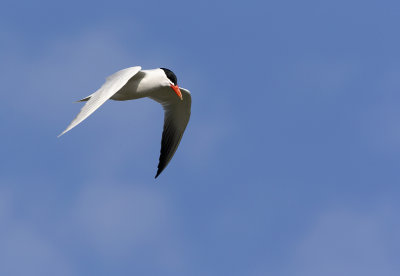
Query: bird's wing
[112,85]
[176,118]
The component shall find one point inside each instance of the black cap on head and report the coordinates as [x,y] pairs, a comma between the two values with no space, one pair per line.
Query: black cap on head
[170,75]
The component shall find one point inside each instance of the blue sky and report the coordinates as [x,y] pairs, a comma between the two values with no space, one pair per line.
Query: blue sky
[289,165]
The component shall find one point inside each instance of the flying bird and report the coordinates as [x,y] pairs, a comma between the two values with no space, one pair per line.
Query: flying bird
[158,84]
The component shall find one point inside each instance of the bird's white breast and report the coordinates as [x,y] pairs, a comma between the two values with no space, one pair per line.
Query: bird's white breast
[143,84]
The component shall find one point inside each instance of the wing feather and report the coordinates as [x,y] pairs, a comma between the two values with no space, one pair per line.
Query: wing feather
[176,118]
[112,85]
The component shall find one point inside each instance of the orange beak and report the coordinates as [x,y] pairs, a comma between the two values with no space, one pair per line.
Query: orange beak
[177,91]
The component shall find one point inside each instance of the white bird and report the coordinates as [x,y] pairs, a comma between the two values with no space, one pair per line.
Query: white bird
[157,84]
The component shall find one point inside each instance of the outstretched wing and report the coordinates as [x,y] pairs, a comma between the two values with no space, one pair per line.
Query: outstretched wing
[112,85]
[176,118]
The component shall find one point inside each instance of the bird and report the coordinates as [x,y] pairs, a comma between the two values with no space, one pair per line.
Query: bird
[160,85]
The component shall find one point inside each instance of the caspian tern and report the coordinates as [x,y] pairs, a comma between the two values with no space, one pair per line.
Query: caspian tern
[157,84]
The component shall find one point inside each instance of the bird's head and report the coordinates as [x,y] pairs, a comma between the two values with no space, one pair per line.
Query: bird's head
[172,82]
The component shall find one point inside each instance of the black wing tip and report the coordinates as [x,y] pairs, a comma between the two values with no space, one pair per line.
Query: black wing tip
[159,171]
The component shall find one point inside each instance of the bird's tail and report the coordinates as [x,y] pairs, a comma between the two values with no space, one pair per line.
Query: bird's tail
[84,99]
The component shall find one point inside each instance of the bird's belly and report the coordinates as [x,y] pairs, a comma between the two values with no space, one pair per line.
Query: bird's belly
[125,96]
[135,89]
